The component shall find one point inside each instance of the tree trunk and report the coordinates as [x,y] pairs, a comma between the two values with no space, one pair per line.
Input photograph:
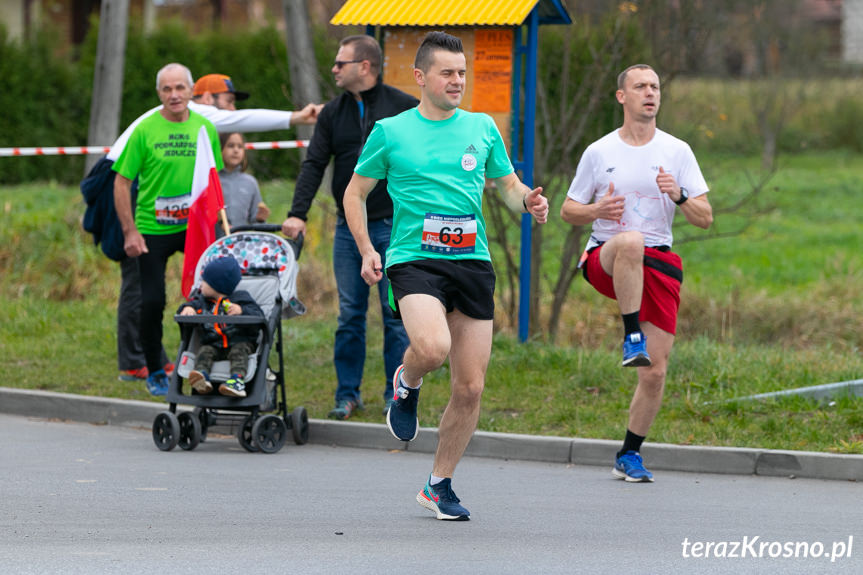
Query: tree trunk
[108,77]
[568,273]
[301,59]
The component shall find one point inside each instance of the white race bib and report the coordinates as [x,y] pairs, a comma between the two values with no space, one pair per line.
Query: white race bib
[173,211]
[447,234]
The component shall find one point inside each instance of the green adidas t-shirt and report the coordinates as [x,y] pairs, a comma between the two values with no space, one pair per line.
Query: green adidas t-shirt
[162,155]
[435,172]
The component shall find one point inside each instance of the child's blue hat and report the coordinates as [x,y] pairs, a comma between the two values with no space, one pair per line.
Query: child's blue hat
[223,275]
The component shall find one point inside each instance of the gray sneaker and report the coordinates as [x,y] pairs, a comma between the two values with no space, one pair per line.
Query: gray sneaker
[344,408]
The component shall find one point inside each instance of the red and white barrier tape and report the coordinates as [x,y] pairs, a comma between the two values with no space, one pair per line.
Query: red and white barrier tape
[284,145]
[80,150]
[58,151]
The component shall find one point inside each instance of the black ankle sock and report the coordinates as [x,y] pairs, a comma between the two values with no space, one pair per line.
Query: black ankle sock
[631,442]
[630,322]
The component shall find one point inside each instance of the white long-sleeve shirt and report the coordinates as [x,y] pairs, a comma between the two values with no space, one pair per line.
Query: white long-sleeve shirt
[251,120]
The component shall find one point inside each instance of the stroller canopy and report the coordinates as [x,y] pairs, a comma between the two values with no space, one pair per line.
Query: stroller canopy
[259,253]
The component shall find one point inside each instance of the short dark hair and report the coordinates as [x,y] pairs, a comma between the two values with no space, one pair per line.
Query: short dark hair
[621,78]
[432,42]
[365,48]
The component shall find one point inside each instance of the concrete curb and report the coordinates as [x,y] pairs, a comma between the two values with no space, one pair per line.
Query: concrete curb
[690,458]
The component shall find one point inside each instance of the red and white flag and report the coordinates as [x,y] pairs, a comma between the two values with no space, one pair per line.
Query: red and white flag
[204,209]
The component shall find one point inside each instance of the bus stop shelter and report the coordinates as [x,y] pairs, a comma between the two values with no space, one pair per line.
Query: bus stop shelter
[500,39]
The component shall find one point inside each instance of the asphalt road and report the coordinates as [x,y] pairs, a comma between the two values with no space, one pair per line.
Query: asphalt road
[80,498]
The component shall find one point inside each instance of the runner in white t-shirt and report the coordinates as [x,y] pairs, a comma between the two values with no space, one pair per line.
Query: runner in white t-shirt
[628,185]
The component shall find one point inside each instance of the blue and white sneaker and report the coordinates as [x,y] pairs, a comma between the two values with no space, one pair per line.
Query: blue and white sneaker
[630,467]
[441,499]
[234,387]
[635,350]
[157,383]
[402,418]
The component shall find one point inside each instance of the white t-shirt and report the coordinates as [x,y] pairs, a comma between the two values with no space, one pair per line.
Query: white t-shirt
[633,169]
[252,120]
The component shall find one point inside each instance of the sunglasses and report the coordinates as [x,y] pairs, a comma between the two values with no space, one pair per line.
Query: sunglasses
[339,64]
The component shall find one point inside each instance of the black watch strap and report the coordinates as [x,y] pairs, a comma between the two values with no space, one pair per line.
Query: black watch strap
[684,195]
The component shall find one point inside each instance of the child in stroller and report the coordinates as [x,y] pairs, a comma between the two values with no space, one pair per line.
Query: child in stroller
[261,418]
[218,295]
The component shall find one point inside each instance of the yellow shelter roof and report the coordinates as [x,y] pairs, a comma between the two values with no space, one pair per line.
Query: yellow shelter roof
[447,12]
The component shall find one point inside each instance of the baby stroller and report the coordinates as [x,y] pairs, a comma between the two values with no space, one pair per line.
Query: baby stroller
[269,270]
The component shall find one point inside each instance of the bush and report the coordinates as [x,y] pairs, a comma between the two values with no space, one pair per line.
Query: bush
[47,97]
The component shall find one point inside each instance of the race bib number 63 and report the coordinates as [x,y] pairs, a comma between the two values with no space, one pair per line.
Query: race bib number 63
[449,234]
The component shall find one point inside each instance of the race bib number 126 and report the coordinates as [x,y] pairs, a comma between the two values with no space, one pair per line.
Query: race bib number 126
[173,211]
[446,234]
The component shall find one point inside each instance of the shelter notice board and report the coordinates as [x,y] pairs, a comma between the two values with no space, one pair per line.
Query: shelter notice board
[489,55]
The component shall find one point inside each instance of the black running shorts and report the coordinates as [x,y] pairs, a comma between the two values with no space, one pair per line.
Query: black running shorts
[465,285]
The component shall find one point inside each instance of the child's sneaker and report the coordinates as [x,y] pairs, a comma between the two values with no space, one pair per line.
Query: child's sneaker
[157,383]
[235,387]
[635,350]
[630,467]
[441,499]
[402,418]
[198,381]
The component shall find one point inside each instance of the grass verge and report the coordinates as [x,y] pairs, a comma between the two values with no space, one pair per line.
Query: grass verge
[57,327]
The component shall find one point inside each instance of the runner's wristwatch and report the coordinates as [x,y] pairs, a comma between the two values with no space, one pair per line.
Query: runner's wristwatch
[684,195]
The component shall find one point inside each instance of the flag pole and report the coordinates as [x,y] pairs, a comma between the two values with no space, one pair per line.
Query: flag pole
[225,225]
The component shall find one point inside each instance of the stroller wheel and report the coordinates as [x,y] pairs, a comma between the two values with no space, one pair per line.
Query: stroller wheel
[190,431]
[300,425]
[166,431]
[244,434]
[270,433]
[205,417]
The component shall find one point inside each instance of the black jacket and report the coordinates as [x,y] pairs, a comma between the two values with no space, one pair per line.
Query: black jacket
[100,218]
[212,334]
[340,133]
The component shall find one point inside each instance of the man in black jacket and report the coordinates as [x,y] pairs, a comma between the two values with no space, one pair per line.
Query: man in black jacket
[342,128]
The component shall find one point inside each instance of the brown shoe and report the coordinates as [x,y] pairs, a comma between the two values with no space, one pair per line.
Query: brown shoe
[199,382]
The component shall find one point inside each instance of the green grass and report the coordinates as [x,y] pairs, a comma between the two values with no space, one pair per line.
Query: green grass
[774,308]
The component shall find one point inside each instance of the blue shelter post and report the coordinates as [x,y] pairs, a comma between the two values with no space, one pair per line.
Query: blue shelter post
[523,140]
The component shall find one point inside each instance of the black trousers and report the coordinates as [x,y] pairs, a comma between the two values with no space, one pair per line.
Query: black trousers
[130,354]
[152,267]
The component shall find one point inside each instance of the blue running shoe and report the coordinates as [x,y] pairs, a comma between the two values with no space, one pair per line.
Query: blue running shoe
[635,350]
[441,499]
[402,418]
[630,467]
[157,383]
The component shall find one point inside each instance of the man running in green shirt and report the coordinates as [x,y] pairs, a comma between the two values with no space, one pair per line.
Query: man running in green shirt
[436,159]
[161,154]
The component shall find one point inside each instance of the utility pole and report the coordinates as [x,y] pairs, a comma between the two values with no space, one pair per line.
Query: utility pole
[108,76]
[301,60]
